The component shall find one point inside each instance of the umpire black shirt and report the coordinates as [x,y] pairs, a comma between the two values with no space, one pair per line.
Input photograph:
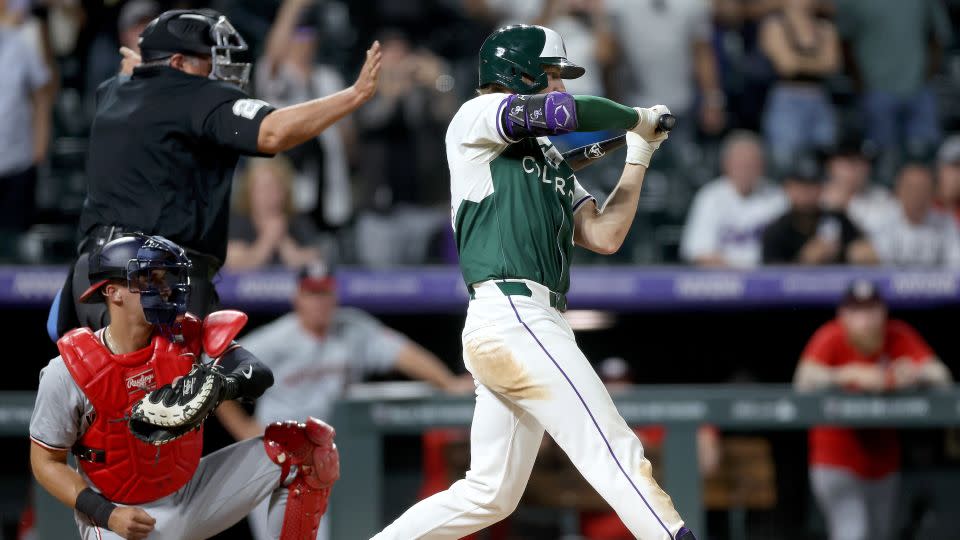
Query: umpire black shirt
[163,148]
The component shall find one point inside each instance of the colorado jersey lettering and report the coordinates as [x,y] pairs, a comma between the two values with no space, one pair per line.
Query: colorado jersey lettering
[513,215]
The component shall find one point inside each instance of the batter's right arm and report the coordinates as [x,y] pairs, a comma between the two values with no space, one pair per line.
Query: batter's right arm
[556,113]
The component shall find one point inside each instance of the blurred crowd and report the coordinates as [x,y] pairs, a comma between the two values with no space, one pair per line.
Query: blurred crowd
[810,131]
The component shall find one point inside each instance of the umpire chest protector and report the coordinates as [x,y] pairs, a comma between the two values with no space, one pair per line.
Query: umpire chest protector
[123,468]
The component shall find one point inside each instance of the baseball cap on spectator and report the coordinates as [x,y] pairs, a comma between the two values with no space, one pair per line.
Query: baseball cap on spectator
[137,12]
[852,144]
[804,168]
[949,153]
[861,292]
[317,277]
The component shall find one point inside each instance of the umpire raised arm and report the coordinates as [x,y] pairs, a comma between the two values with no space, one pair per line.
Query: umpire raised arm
[165,142]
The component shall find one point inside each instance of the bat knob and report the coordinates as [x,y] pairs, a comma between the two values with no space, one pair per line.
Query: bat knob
[666,122]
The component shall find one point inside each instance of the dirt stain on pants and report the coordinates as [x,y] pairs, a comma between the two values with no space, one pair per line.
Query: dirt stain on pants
[495,366]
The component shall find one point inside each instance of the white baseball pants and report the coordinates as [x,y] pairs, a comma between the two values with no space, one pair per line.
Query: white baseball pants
[532,377]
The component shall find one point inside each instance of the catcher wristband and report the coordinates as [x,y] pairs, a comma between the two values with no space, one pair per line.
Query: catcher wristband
[95,506]
[639,151]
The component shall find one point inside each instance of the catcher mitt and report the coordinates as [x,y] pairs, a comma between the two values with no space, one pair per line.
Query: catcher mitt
[172,411]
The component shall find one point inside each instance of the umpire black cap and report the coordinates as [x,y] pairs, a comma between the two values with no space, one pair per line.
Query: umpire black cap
[178,31]
[198,32]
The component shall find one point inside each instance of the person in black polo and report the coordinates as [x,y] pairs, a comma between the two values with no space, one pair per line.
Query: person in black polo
[808,234]
[165,142]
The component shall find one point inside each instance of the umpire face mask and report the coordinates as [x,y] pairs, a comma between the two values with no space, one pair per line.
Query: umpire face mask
[227,40]
[197,33]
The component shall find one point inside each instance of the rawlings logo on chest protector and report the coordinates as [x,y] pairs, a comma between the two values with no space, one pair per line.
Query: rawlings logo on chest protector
[145,381]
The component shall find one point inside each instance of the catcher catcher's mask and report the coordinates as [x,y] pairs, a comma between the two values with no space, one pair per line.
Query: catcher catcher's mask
[152,266]
[199,32]
[520,51]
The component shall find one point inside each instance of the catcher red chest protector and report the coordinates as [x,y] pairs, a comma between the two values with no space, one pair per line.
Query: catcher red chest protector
[123,468]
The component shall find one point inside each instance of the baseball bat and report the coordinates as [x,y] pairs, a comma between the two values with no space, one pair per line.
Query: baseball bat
[582,156]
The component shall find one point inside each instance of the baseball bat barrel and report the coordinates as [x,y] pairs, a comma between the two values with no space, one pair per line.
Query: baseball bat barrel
[582,156]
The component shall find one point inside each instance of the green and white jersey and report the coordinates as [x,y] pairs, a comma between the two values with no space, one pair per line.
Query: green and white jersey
[512,202]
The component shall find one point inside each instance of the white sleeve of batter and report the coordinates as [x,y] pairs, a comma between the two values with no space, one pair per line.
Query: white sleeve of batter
[475,130]
[62,413]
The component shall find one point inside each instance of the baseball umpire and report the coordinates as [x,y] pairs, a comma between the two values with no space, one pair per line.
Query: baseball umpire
[517,210]
[165,142]
[129,402]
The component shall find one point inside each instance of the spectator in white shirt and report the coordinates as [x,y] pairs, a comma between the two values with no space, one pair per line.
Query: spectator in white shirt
[948,177]
[849,189]
[26,100]
[918,234]
[728,215]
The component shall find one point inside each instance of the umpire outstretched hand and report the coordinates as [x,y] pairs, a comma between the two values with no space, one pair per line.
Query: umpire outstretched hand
[290,126]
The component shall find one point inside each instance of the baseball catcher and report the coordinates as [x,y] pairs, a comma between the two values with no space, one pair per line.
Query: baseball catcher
[129,402]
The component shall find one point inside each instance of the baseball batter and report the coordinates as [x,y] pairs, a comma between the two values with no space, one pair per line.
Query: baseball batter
[517,211]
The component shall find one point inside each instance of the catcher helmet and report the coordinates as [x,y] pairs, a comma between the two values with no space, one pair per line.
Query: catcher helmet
[513,52]
[202,32]
[153,266]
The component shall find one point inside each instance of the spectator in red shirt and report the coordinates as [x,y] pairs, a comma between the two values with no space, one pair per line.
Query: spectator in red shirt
[854,472]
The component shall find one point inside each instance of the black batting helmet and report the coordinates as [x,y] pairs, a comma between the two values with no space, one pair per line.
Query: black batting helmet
[134,259]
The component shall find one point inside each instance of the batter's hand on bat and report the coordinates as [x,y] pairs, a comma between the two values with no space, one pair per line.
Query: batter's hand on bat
[649,125]
[131,522]
[366,85]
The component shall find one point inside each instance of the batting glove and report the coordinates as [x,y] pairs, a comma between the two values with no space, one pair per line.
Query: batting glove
[649,122]
[644,139]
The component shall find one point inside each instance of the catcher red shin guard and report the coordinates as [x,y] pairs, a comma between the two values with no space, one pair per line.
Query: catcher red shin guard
[310,447]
